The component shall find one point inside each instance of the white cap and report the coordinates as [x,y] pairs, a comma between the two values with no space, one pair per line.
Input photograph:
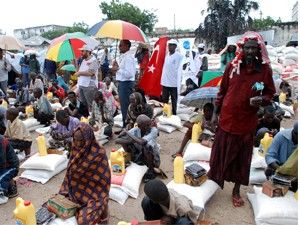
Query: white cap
[86,48]
[172,42]
[201,45]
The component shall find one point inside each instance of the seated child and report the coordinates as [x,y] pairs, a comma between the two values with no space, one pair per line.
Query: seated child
[74,107]
[61,133]
[207,129]
[57,91]
[102,113]
[42,110]
[17,133]
[9,167]
[22,94]
[141,143]
[166,205]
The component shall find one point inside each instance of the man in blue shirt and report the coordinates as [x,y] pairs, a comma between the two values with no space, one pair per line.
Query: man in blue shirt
[283,145]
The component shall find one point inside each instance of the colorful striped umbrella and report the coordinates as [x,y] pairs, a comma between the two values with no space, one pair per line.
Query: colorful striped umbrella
[211,78]
[69,67]
[117,29]
[66,47]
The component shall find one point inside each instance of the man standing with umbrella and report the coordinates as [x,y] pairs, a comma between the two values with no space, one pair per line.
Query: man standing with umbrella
[125,75]
[87,76]
[5,67]
[170,74]
[246,85]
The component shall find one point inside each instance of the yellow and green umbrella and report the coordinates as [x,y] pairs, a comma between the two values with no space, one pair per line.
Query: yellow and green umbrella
[66,47]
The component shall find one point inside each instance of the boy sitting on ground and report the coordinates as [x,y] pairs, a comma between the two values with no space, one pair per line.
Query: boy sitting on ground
[167,205]
[207,128]
[9,166]
[61,133]
[17,132]
[42,110]
[141,143]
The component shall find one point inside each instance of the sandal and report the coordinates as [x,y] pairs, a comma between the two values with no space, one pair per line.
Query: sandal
[237,201]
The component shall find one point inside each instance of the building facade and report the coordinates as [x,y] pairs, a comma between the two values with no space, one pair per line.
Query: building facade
[35,31]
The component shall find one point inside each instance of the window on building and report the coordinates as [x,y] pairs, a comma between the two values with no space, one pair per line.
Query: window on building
[42,30]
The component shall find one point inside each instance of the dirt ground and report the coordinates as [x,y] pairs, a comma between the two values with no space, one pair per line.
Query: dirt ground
[218,209]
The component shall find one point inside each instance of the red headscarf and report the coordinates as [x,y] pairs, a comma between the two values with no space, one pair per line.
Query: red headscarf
[250,35]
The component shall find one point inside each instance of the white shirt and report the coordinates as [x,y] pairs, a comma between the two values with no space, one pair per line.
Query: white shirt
[4,71]
[92,66]
[170,70]
[198,60]
[127,67]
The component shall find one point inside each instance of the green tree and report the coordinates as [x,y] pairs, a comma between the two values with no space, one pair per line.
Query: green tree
[77,27]
[264,23]
[225,18]
[116,10]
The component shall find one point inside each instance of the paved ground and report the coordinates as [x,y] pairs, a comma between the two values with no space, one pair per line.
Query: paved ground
[218,209]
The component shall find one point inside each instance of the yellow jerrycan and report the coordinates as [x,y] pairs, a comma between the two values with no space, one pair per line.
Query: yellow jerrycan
[84,119]
[117,162]
[265,143]
[167,110]
[41,143]
[282,97]
[4,104]
[29,110]
[49,95]
[196,131]
[178,169]
[296,195]
[24,212]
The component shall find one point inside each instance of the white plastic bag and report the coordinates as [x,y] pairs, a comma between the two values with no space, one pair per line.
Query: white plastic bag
[257,176]
[133,178]
[198,195]
[196,152]
[30,122]
[275,211]
[118,195]
[258,161]
[49,162]
[173,121]
[59,221]
[166,128]
[43,176]
[157,111]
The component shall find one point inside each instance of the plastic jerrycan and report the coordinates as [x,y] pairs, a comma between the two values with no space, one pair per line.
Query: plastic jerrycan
[29,110]
[24,212]
[167,109]
[196,132]
[178,169]
[117,161]
[266,142]
[84,120]
[49,95]
[282,97]
[41,143]
[296,195]
[4,104]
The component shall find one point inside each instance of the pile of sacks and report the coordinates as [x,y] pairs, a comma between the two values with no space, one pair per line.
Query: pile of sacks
[257,170]
[42,168]
[32,124]
[214,62]
[199,195]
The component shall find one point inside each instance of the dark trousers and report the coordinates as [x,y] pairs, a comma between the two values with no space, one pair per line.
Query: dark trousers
[20,144]
[6,176]
[125,89]
[166,92]
[153,211]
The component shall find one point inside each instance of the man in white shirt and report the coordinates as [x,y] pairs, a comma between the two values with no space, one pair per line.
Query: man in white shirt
[201,62]
[170,75]
[87,76]
[5,67]
[125,72]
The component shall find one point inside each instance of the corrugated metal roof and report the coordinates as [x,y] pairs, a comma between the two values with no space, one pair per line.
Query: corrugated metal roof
[35,41]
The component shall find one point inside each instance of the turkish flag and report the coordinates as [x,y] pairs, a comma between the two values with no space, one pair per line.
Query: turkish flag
[150,81]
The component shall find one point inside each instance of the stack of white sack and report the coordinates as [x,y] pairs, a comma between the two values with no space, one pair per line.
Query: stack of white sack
[214,62]
[118,121]
[32,124]
[169,124]
[185,113]
[257,170]
[43,168]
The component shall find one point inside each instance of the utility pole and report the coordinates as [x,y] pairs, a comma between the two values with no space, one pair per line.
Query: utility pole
[174,24]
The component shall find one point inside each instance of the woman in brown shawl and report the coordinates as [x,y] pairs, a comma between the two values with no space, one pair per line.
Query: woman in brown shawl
[87,181]
[137,107]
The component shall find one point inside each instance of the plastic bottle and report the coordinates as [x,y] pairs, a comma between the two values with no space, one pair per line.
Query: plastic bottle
[29,110]
[41,143]
[178,169]
[265,143]
[24,212]
[196,132]
[167,109]
[282,97]
[117,161]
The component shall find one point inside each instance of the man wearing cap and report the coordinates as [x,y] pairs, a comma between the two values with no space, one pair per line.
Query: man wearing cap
[5,67]
[125,75]
[87,76]
[201,63]
[170,75]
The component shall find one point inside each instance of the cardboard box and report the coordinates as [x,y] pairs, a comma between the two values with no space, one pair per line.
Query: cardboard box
[274,190]
[62,206]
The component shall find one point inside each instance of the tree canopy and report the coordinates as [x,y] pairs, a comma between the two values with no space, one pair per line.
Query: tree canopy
[116,10]
[77,27]
[225,18]
[264,23]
